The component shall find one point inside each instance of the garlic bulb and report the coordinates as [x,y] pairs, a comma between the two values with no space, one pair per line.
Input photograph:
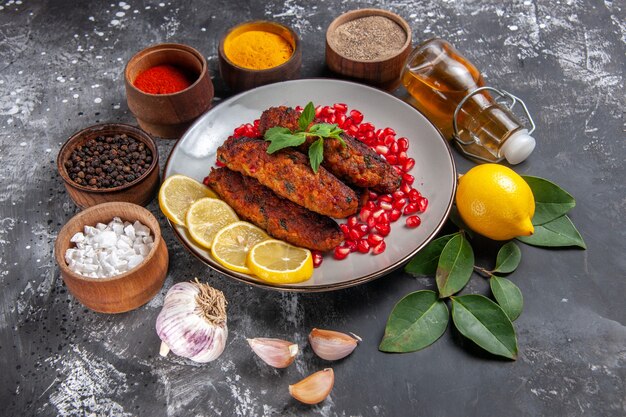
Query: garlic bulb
[332,345]
[274,352]
[192,322]
[314,388]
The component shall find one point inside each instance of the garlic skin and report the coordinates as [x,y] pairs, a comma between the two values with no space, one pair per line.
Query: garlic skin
[192,322]
[274,352]
[314,388]
[332,345]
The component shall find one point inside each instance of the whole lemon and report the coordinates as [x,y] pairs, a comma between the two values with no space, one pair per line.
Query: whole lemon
[496,202]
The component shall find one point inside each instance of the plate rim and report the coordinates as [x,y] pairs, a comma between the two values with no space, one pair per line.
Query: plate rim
[328,287]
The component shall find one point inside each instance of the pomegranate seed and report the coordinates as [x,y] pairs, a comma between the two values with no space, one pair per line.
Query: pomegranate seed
[408,165]
[340,107]
[383,228]
[341,252]
[402,157]
[328,111]
[370,136]
[397,169]
[399,203]
[395,215]
[366,127]
[385,205]
[372,195]
[410,208]
[356,116]
[422,204]
[379,134]
[331,119]
[299,109]
[363,228]
[386,197]
[413,221]
[376,215]
[365,214]
[355,234]
[363,246]
[318,111]
[340,119]
[371,222]
[389,140]
[405,188]
[393,148]
[350,244]
[370,205]
[389,131]
[345,230]
[414,195]
[353,130]
[374,239]
[352,221]
[380,248]
[381,150]
[383,219]
[392,159]
[398,195]
[317,258]
[403,144]
[408,179]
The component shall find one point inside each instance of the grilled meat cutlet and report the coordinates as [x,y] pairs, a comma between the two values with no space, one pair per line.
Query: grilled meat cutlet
[355,163]
[288,173]
[278,216]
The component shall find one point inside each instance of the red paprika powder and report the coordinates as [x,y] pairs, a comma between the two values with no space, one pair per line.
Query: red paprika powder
[163,79]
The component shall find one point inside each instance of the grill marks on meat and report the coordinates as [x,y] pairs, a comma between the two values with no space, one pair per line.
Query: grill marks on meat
[279,217]
[355,163]
[288,173]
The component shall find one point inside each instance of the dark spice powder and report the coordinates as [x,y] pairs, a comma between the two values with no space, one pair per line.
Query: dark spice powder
[108,161]
[369,38]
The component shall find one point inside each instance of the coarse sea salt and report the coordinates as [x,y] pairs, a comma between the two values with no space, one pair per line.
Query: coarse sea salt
[107,250]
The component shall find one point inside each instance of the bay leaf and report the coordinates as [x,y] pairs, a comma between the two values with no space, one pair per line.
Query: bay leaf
[485,323]
[508,296]
[425,261]
[557,233]
[551,201]
[455,266]
[508,258]
[416,321]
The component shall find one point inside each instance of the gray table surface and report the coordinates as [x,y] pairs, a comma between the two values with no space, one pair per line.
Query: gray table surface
[61,66]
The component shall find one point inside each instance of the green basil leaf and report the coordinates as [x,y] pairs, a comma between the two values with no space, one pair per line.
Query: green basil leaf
[508,296]
[307,116]
[316,154]
[508,258]
[485,323]
[280,139]
[455,266]
[557,233]
[551,201]
[324,130]
[416,321]
[426,260]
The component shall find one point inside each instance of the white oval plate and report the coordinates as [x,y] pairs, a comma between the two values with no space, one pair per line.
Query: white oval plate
[434,171]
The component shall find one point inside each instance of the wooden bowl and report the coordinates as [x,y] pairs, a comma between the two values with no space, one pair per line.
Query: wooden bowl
[382,73]
[123,292]
[239,79]
[140,191]
[168,115]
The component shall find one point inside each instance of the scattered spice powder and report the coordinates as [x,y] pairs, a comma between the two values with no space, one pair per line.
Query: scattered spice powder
[257,50]
[163,79]
[369,38]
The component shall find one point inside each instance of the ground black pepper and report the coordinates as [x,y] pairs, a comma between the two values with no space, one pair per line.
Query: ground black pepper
[369,38]
[108,161]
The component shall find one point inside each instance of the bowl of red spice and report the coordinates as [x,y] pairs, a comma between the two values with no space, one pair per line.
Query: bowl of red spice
[259,52]
[109,162]
[167,87]
[370,46]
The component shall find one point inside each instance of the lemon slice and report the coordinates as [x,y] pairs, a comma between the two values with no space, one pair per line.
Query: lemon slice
[280,263]
[232,244]
[178,193]
[206,217]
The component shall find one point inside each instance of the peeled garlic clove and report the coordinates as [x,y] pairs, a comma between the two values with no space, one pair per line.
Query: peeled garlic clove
[314,388]
[274,352]
[331,345]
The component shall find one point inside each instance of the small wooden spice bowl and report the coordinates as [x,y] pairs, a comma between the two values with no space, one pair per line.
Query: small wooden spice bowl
[169,115]
[122,292]
[383,73]
[140,191]
[238,78]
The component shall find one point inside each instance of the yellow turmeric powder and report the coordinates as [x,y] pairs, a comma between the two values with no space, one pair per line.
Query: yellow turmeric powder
[257,50]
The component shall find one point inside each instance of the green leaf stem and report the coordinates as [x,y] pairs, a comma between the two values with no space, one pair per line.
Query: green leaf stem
[485,323]
[508,296]
[417,321]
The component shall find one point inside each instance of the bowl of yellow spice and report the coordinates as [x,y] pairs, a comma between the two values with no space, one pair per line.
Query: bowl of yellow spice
[258,53]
